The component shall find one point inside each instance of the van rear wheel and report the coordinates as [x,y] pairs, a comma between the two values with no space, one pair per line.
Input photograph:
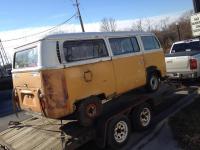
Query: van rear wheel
[89,110]
[153,82]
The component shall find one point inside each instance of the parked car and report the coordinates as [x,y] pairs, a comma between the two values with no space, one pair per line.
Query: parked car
[67,73]
[183,61]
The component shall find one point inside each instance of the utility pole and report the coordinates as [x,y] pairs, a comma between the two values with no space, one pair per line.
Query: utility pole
[178,30]
[79,15]
[196,4]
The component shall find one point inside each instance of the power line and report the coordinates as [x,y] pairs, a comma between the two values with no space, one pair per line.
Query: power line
[48,30]
[2,51]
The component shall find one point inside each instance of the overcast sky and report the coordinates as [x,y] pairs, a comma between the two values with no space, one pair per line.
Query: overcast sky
[23,17]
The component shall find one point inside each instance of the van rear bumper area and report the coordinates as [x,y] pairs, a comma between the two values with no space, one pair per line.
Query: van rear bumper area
[28,99]
[33,101]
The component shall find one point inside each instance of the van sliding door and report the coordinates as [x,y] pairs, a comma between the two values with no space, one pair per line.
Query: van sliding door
[128,63]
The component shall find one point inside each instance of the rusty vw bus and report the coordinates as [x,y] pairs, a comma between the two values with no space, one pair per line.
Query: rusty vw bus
[66,73]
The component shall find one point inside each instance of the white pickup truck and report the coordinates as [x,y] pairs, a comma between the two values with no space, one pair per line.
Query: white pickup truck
[183,61]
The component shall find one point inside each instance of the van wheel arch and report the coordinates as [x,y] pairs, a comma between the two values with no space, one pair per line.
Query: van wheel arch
[88,110]
[151,69]
[153,76]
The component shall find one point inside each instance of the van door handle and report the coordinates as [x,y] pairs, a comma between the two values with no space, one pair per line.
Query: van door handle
[88,76]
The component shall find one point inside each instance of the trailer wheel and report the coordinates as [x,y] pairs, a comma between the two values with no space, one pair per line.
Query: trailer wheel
[89,110]
[141,117]
[119,130]
[153,82]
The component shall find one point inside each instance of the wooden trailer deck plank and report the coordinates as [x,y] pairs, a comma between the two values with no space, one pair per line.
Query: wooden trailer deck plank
[12,129]
[20,129]
[47,141]
[27,140]
[34,132]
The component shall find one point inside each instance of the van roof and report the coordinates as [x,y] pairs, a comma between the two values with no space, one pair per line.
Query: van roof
[94,34]
[88,35]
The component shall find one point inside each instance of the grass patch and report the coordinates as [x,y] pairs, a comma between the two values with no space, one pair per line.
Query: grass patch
[185,126]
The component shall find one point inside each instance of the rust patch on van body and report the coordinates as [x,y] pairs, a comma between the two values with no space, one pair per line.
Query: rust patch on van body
[42,92]
[55,93]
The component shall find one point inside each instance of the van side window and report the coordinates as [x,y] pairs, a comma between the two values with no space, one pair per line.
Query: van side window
[84,49]
[123,45]
[135,44]
[150,43]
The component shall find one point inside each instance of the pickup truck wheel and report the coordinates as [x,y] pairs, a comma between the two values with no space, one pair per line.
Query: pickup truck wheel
[119,130]
[141,117]
[153,82]
[89,110]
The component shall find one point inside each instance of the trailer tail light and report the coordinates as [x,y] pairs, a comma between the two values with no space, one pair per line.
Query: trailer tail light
[193,64]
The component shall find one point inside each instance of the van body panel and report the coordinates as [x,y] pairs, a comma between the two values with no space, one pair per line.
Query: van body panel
[55,93]
[50,83]
[130,72]
[155,58]
[26,86]
[89,80]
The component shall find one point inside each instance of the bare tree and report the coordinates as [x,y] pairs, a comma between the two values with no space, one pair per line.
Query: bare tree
[108,25]
[140,25]
[137,26]
[148,24]
[164,23]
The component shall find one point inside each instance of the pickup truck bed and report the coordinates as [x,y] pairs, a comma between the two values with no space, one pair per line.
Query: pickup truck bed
[178,64]
[38,133]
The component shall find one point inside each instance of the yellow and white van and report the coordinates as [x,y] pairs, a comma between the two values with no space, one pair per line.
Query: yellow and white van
[64,73]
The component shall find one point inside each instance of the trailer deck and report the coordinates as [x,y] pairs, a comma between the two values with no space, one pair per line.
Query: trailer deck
[39,133]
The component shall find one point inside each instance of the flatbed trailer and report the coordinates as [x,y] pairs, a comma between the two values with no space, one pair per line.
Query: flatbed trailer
[38,133]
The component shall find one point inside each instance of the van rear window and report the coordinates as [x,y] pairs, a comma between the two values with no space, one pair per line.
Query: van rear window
[84,49]
[26,58]
[150,43]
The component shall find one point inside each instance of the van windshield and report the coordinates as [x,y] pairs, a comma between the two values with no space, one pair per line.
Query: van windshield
[182,47]
[26,58]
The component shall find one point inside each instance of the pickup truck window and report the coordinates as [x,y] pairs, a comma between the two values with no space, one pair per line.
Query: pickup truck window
[84,49]
[182,47]
[150,43]
[125,45]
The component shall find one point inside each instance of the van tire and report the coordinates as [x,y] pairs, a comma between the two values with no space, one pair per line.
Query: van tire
[153,82]
[89,110]
[141,117]
[118,125]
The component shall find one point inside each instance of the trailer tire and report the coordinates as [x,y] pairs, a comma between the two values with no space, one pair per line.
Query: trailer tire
[89,110]
[119,130]
[141,117]
[153,81]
